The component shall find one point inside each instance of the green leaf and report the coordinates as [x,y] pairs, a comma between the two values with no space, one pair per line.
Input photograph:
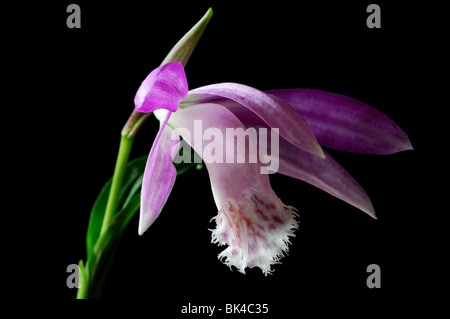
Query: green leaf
[101,249]
[128,202]
[134,172]
[122,218]
[96,219]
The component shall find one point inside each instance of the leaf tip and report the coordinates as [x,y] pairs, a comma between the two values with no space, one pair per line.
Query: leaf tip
[209,13]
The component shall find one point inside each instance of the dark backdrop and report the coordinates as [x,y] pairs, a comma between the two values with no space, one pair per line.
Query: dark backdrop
[73,90]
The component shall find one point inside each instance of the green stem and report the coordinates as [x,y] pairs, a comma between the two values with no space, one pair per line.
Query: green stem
[91,281]
[126,142]
[134,123]
[82,292]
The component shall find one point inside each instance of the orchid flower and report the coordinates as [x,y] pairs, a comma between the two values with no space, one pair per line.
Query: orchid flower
[252,221]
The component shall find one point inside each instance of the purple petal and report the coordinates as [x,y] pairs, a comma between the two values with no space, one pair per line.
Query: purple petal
[325,174]
[272,110]
[163,88]
[346,124]
[159,176]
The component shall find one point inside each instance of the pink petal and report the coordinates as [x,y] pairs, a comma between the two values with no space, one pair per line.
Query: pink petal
[159,175]
[272,110]
[325,174]
[163,88]
[228,180]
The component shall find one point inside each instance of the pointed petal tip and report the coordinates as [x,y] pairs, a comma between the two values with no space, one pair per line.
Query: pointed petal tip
[320,152]
[317,150]
[368,209]
[144,222]
[408,146]
[403,143]
[344,123]
[270,110]
[372,214]
[141,229]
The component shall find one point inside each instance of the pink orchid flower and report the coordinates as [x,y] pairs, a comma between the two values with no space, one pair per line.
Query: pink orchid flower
[252,221]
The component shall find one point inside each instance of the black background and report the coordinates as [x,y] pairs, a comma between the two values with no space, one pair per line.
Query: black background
[73,89]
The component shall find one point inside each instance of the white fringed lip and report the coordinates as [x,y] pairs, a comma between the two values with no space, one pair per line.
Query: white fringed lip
[256,228]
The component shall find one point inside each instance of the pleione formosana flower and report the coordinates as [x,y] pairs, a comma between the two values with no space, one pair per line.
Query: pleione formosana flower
[252,221]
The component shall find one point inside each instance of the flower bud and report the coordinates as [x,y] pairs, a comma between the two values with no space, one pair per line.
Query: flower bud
[183,49]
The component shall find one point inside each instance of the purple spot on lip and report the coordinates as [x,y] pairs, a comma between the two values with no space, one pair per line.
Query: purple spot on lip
[277,219]
[264,217]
